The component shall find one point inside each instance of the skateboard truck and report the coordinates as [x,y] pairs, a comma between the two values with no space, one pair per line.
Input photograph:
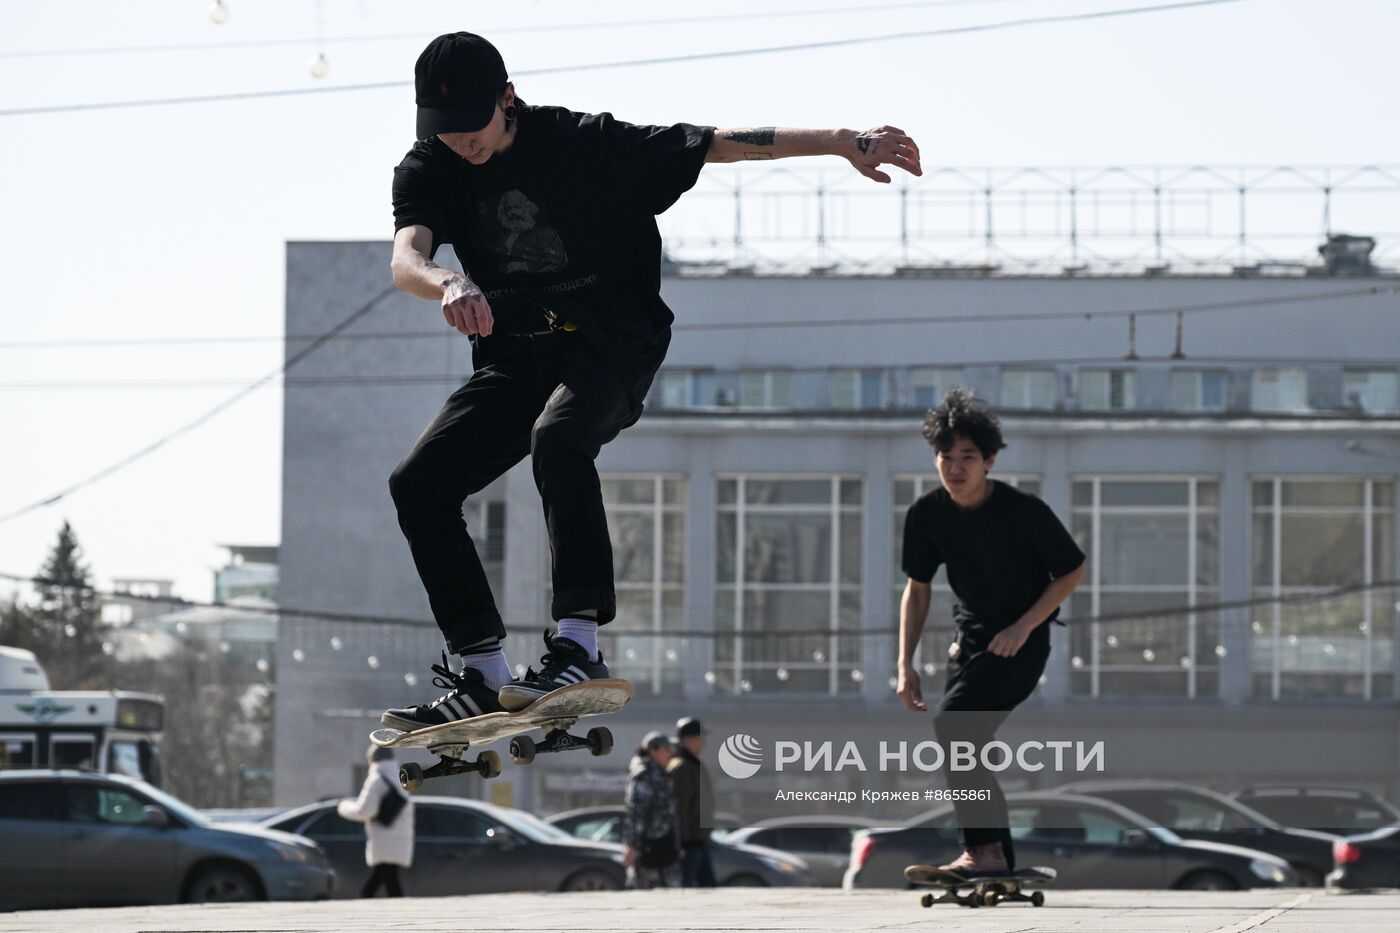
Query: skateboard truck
[523,749]
[412,775]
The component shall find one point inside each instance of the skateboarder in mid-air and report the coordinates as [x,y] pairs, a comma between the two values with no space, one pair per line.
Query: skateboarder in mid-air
[552,215]
[1011,563]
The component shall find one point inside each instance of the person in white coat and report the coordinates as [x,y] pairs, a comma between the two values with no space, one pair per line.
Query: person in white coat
[387,848]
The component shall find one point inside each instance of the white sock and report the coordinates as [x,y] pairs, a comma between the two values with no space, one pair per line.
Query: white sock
[492,662]
[583,632]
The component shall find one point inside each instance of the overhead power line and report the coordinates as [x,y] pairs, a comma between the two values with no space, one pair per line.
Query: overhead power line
[979,318]
[629,63]
[494,30]
[352,618]
[227,403]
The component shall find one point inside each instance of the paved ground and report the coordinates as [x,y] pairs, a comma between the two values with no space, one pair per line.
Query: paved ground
[750,909]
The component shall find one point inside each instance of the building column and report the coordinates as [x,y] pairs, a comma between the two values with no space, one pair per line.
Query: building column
[698,655]
[1235,524]
[878,615]
[1055,491]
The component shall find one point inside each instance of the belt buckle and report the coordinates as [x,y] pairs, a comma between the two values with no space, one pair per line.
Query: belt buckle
[555,324]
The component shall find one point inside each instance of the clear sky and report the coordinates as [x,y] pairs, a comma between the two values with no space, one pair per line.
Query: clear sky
[170,221]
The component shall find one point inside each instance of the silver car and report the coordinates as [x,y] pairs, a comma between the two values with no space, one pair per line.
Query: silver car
[823,842]
[466,847]
[80,839]
[1092,843]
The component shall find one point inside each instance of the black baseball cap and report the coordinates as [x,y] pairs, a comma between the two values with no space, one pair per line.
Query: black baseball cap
[457,81]
[689,726]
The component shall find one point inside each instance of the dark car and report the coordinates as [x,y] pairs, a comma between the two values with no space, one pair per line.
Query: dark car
[736,864]
[1371,860]
[82,839]
[1198,813]
[1092,843]
[823,842]
[465,847]
[1341,811]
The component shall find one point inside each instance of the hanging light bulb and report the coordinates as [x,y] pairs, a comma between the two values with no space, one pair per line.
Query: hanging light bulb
[320,65]
[218,13]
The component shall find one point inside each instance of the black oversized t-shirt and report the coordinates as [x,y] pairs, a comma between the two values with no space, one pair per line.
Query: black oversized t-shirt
[1000,555]
[568,210]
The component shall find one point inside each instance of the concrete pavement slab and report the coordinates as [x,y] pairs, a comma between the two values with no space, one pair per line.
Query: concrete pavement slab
[757,910]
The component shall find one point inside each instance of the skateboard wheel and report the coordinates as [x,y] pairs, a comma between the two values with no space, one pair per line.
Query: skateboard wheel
[411,776]
[489,764]
[1038,899]
[600,741]
[974,899]
[522,749]
[926,900]
[991,898]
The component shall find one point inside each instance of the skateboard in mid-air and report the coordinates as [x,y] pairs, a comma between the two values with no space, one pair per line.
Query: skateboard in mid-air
[988,890]
[555,713]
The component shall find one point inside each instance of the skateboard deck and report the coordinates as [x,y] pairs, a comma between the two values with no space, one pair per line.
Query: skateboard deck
[988,890]
[555,713]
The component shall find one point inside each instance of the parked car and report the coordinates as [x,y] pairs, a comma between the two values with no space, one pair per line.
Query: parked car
[1341,811]
[1198,813]
[241,814]
[1092,843]
[466,847]
[736,865]
[83,839]
[1371,860]
[823,842]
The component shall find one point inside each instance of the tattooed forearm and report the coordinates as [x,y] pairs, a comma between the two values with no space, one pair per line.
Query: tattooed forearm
[758,136]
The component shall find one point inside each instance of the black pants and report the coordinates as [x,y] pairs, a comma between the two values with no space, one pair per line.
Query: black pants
[982,691]
[549,397]
[386,875]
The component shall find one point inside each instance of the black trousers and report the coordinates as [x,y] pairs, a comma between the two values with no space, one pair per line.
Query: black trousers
[386,875]
[982,691]
[550,397]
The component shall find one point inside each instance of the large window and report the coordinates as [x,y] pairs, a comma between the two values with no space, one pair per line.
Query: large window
[857,388]
[1198,390]
[1030,388]
[788,575]
[646,522]
[1152,543]
[928,385]
[765,389]
[1280,390]
[1310,536]
[486,521]
[939,626]
[1107,389]
[1372,390]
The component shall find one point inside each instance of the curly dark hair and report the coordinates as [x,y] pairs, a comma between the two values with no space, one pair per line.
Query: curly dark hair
[962,415]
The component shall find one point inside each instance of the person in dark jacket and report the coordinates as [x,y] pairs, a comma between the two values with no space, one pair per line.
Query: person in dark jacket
[650,824]
[695,796]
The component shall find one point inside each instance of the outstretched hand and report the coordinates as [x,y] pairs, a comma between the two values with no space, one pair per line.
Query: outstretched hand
[884,145]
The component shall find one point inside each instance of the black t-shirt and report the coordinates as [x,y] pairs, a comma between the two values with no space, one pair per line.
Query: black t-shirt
[1000,555]
[569,210]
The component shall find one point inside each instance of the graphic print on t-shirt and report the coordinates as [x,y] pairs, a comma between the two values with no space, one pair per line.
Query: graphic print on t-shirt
[519,232]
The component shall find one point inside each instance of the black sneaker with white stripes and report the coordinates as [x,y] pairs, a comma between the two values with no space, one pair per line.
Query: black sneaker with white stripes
[467,697]
[564,663]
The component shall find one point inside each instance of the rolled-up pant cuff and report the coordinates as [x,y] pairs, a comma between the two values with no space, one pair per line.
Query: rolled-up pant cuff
[461,635]
[580,600]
